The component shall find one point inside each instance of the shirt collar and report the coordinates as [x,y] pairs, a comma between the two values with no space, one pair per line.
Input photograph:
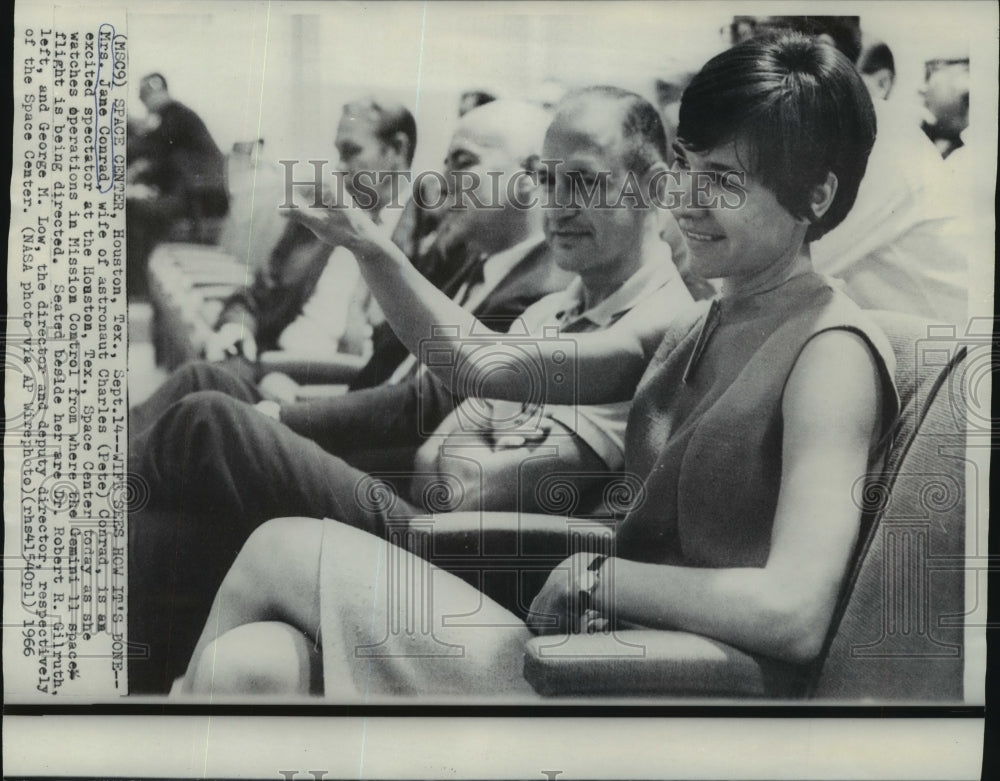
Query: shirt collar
[651,277]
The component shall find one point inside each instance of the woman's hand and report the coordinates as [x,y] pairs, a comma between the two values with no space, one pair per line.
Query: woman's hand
[559,607]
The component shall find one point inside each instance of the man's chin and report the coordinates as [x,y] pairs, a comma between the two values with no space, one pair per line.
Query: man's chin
[568,261]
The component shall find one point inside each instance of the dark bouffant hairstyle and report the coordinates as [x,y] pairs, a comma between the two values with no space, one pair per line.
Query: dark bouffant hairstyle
[799,110]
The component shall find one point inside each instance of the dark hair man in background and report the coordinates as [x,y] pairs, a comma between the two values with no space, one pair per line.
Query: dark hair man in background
[878,69]
[176,176]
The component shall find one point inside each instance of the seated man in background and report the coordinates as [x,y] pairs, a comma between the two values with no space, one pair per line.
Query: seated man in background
[176,172]
[945,92]
[878,70]
[897,248]
[309,300]
[247,468]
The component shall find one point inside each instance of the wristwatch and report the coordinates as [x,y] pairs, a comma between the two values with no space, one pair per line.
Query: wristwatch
[587,594]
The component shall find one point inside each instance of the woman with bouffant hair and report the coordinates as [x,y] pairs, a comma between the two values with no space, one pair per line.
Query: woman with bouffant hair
[749,430]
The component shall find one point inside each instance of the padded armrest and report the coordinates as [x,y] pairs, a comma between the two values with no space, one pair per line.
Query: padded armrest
[216,291]
[335,370]
[231,274]
[639,662]
[627,663]
[507,534]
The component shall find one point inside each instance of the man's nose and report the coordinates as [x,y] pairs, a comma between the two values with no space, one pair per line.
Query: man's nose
[566,196]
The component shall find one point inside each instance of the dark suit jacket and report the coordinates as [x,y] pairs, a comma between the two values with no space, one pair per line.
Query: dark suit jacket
[533,277]
[279,291]
[184,162]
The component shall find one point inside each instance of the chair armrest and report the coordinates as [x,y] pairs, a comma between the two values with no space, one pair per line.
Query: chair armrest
[216,291]
[336,369]
[640,662]
[506,534]
[311,392]
[187,255]
[232,274]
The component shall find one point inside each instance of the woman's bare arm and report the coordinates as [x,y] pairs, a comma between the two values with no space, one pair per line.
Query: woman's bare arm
[590,368]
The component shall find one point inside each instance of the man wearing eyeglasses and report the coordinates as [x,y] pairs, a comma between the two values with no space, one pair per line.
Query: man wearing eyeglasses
[946,95]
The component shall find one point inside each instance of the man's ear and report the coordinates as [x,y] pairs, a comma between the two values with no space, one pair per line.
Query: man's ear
[526,184]
[884,79]
[401,144]
[822,196]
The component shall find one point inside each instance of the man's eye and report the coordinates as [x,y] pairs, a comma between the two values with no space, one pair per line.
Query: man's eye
[460,162]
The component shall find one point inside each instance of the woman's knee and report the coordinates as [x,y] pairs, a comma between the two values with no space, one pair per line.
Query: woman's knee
[280,542]
[278,564]
[259,658]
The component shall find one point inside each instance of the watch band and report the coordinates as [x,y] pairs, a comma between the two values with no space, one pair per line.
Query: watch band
[587,594]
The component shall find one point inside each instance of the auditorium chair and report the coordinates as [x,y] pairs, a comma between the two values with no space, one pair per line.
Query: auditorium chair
[191,275]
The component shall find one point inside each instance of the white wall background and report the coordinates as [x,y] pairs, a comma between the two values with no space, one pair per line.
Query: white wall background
[282,70]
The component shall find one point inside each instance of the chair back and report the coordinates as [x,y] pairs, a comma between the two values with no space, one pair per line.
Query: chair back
[897,634]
